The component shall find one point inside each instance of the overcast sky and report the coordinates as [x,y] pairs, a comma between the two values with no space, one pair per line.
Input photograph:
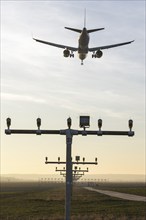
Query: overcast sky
[37,81]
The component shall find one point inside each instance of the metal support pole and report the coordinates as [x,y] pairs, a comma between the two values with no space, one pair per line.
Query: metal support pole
[68,174]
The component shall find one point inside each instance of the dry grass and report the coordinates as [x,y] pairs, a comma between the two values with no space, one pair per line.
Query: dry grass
[80,217]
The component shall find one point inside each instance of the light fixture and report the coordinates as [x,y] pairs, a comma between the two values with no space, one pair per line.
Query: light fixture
[69,122]
[77,158]
[84,121]
[99,123]
[8,120]
[38,123]
[130,124]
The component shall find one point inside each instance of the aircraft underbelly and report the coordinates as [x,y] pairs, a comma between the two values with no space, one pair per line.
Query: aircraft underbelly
[82,56]
[83,45]
[83,41]
[82,52]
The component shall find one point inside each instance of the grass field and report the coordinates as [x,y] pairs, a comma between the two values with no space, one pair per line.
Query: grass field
[131,188]
[35,201]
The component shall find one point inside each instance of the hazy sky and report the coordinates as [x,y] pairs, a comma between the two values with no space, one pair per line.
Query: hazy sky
[36,80]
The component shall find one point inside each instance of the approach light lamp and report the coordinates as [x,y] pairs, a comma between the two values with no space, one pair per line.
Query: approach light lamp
[96,159]
[83,159]
[77,158]
[38,123]
[130,124]
[84,121]
[69,122]
[58,159]
[8,120]
[46,159]
[99,123]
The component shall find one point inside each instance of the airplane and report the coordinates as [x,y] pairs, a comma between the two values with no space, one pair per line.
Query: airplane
[83,43]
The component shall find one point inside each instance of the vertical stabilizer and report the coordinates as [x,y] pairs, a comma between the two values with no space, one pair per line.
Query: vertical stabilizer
[85,17]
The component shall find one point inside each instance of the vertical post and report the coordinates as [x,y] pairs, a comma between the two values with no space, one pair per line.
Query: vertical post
[68,174]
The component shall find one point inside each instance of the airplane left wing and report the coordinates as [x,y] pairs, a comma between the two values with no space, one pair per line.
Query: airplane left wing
[56,45]
[109,46]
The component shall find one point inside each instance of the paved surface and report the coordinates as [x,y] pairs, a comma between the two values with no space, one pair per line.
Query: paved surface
[119,195]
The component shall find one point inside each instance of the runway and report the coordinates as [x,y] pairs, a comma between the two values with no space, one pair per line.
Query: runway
[119,195]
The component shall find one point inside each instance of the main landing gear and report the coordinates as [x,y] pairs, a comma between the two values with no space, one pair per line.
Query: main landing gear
[71,54]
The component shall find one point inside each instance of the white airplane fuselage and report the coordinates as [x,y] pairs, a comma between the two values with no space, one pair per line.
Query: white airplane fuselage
[83,44]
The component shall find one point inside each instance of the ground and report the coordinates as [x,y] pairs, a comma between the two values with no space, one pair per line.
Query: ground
[46,201]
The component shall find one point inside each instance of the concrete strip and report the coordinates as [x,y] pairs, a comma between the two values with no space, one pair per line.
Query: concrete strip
[119,195]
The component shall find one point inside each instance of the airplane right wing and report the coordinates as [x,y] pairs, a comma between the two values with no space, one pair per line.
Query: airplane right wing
[109,46]
[57,45]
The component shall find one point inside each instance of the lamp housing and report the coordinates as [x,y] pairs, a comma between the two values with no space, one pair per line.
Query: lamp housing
[84,121]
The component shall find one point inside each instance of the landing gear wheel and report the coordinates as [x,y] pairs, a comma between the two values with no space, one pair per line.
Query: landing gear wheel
[72,55]
[93,55]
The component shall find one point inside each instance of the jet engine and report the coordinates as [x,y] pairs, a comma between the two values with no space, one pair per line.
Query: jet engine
[66,53]
[99,53]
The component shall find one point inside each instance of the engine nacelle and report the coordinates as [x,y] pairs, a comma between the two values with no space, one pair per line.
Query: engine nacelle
[66,53]
[99,53]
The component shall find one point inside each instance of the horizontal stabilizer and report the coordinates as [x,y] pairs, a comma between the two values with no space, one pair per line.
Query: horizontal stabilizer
[93,30]
[74,29]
